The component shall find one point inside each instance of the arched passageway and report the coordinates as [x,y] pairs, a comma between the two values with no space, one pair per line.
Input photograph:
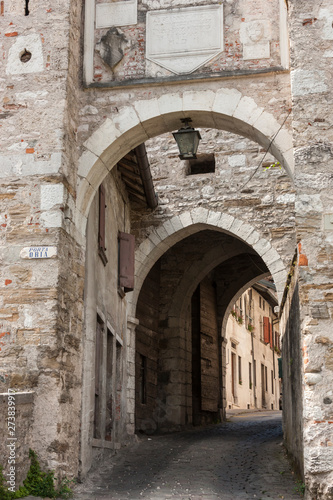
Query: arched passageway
[190,257]
[180,339]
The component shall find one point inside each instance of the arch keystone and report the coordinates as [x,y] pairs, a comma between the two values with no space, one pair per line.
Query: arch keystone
[199,215]
[200,101]
[171,103]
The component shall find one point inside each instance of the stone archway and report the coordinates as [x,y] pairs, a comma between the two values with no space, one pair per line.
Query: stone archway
[226,109]
[174,320]
[178,227]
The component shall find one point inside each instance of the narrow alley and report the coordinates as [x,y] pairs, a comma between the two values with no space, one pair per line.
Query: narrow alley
[239,459]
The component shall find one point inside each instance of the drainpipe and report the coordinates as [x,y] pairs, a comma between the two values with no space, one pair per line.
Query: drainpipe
[143,164]
[254,373]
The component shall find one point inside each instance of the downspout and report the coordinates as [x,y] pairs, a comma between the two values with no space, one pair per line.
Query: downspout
[143,164]
[254,374]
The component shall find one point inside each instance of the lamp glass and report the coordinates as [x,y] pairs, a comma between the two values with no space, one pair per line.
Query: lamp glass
[188,141]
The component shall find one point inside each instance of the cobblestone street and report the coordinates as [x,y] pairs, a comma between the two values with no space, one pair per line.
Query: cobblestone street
[242,458]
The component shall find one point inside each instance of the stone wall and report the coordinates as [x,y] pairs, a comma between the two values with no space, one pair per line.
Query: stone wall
[60,142]
[16,413]
[105,303]
[311,76]
[293,372]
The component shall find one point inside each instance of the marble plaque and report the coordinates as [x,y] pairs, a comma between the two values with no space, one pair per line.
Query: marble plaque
[182,40]
[116,14]
[255,37]
[256,51]
[38,252]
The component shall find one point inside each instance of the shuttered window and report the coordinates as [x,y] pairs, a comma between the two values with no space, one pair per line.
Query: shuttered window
[266,330]
[126,261]
[271,340]
[101,225]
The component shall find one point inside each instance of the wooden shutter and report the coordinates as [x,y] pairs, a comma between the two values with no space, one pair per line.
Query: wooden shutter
[266,329]
[126,261]
[271,335]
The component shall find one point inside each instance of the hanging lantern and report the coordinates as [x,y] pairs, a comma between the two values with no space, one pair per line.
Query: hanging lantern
[187,140]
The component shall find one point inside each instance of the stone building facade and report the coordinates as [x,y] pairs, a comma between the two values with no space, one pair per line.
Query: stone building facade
[83,86]
[253,348]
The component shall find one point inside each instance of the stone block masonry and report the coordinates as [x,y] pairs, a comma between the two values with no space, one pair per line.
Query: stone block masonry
[59,141]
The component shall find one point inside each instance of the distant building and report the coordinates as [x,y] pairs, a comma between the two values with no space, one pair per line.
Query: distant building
[253,349]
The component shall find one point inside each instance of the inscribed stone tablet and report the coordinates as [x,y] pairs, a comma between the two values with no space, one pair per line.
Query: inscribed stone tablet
[116,14]
[182,40]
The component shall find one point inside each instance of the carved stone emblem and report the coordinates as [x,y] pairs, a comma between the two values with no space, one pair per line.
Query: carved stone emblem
[255,31]
[255,37]
[111,47]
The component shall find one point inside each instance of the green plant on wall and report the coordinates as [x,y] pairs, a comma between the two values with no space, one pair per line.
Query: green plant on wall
[37,483]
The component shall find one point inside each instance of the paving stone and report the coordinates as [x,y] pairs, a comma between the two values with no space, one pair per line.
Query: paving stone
[239,459]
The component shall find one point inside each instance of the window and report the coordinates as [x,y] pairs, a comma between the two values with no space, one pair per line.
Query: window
[203,164]
[250,375]
[126,249]
[239,370]
[259,301]
[267,329]
[240,307]
[255,372]
[98,378]
[266,381]
[101,225]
